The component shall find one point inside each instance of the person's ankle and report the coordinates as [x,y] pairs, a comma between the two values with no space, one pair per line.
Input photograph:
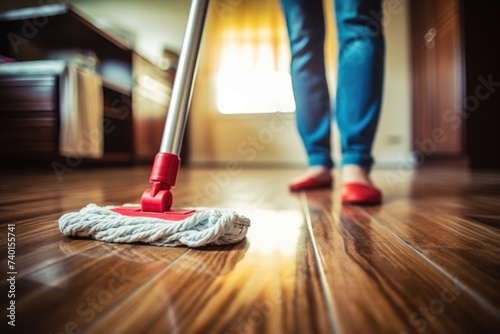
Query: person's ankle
[314,177]
[355,174]
[318,171]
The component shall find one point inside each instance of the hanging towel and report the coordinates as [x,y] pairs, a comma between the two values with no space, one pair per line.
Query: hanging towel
[81,129]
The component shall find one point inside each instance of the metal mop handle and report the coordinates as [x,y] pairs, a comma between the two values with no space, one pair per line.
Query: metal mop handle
[166,164]
[178,110]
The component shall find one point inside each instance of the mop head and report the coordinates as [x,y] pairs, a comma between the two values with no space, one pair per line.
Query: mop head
[205,227]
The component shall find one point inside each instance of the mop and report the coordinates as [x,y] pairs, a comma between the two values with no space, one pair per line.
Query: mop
[154,221]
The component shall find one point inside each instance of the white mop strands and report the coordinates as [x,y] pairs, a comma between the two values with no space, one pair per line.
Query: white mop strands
[205,227]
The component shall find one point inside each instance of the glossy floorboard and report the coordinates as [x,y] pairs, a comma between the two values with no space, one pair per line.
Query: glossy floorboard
[426,261]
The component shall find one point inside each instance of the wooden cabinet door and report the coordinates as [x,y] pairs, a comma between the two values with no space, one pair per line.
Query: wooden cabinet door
[151,96]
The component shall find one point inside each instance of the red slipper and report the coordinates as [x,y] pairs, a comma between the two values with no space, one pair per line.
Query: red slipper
[311,183]
[360,194]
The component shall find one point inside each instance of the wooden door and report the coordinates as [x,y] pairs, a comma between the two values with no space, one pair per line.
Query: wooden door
[437,80]
[448,84]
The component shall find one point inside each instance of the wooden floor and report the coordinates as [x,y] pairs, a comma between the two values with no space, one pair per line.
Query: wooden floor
[426,261]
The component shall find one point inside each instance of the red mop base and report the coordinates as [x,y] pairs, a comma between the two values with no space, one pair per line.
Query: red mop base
[136,211]
[156,202]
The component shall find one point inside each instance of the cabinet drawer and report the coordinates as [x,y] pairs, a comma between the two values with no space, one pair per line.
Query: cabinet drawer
[28,135]
[28,93]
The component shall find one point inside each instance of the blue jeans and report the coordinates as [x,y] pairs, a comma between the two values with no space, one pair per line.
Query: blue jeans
[359,82]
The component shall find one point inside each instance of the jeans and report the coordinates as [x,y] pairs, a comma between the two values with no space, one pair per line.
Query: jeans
[359,83]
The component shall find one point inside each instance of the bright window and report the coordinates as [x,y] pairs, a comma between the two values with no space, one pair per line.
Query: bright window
[253,74]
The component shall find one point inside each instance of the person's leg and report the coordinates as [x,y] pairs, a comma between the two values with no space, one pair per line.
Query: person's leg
[306,30]
[359,85]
